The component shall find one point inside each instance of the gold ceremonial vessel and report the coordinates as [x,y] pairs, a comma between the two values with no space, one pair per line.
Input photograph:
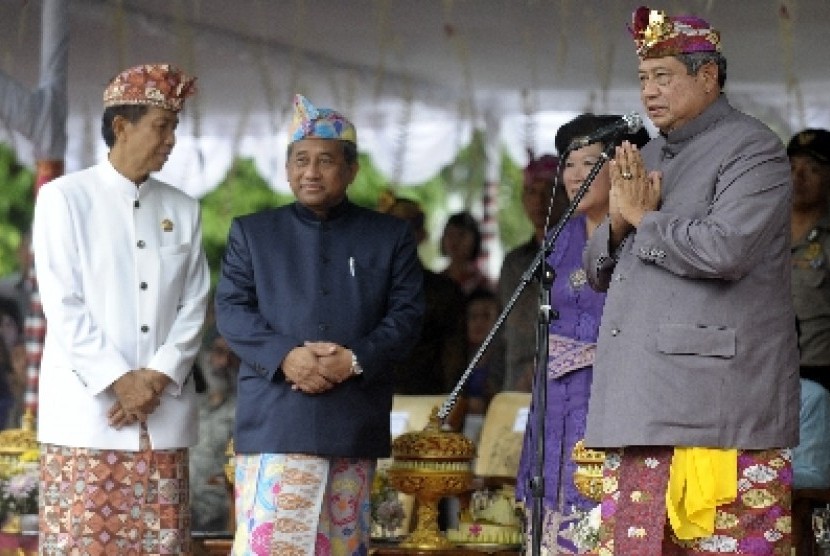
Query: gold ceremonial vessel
[588,474]
[15,442]
[431,464]
[230,466]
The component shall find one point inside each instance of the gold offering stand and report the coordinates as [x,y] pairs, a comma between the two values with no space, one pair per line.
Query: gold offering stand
[436,462]
[431,464]
[588,474]
[13,444]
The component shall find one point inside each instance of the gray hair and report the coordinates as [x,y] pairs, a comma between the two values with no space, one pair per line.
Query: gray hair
[696,60]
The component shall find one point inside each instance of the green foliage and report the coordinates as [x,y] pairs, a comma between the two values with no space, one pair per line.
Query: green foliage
[432,198]
[467,174]
[368,185]
[514,226]
[16,207]
[464,176]
[243,191]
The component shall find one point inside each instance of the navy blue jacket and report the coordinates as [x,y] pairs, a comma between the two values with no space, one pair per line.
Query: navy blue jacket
[288,277]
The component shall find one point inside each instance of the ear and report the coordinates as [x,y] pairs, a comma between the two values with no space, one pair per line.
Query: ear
[353,169]
[709,74]
[119,124]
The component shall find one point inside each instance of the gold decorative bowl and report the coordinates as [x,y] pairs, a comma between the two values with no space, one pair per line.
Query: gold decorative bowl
[431,464]
[15,442]
[230,466]
[588,474]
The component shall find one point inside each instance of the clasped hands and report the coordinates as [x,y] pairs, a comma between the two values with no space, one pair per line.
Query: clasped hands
[317,367]
[139,394]
[634,191]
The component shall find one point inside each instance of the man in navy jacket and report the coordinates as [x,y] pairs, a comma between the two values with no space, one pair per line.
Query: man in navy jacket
[317,298]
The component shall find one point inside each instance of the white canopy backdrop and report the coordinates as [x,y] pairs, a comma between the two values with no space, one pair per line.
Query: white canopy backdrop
[415,76]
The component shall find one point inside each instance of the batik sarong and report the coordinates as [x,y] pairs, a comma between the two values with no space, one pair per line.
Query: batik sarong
[113,502]
[557,536]
[634,520]
[300,505]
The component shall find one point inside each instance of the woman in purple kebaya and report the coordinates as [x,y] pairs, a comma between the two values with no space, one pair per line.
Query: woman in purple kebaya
[572,338]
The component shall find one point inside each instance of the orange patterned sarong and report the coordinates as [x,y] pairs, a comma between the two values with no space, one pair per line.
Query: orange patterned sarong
[111,502]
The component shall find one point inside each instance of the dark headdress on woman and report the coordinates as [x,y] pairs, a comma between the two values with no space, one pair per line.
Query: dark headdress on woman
[585,124]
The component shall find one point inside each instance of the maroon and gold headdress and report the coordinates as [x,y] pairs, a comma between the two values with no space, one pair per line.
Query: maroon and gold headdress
[160,85]
[540,169]
[657,35]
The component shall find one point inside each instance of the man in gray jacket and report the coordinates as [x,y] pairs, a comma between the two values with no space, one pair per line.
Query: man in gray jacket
[695,394]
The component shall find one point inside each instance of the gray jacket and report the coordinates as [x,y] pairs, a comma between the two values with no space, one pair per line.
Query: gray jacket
[697,345]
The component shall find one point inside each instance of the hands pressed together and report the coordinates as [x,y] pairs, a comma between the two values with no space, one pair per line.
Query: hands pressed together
[634,191]
[316,367]
[139,394]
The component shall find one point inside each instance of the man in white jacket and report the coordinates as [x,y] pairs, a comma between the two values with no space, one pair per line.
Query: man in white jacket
[124,285]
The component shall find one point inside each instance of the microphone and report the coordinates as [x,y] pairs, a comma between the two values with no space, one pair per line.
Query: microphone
[628,123]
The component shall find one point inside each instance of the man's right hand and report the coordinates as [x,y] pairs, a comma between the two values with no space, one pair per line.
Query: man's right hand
[136,395]
[302,369]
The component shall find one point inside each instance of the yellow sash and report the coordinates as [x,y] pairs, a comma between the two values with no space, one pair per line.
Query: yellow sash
[700,479]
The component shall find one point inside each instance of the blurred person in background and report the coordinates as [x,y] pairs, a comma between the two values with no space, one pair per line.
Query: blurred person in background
[437,360]
[540,196]
[209,495]
[487,378]
[809,154]
[461,244]
[12,364]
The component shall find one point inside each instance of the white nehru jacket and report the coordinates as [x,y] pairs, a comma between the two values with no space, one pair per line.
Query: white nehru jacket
[124,283]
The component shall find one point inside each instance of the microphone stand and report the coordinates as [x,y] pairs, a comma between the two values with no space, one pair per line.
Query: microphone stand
[536,484]
[537,487]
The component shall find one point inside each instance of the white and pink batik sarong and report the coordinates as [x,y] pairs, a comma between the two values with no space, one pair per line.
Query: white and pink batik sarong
[301,505]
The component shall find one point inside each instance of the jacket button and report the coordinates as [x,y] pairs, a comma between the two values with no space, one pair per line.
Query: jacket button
[615,331]
[145,328]
[143,285]
[137,204]
[140,244]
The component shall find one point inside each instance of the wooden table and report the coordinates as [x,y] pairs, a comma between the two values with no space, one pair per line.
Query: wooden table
[212,544]
[213,547]
[393,550]
[222,547]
